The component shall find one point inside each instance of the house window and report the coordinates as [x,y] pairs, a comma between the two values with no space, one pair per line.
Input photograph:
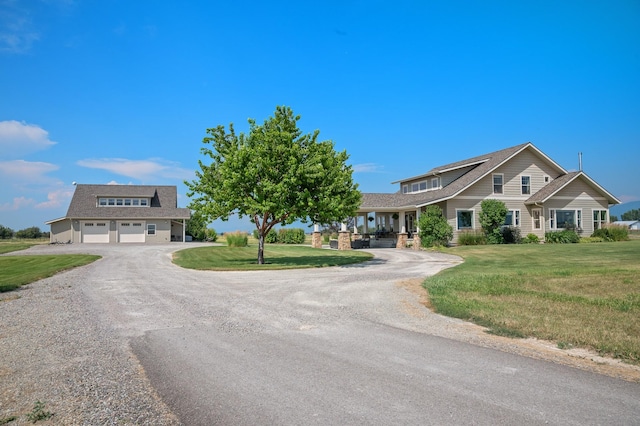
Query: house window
[111,202]
[565,219]
[599,219]
[405,189]
[125,224]
[88,224]
[414,187]
[127,201]
[464,219]
[536,215]
[135,202]
[434,183]
[119,202]
[526,185]
[513,218]
[101,224]
[102,202]
[151,229]
[144,202]
[498,181]
[423,186]
[137,224]
[547,179]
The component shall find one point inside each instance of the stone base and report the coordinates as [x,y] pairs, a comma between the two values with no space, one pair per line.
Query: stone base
[344,240]
[416,242]
[316,240]
[402,240]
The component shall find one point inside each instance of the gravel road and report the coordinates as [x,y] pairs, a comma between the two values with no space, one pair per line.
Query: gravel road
[101,344]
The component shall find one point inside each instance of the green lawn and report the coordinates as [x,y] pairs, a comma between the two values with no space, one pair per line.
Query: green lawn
[585,295]
[223,258]
[16,271]
[7,246]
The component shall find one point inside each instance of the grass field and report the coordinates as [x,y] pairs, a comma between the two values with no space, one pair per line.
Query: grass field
[7,246]
[583,295]
[16,271]
[222,258]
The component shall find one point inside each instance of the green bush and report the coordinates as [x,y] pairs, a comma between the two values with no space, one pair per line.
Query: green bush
[612,233]
[325,238]
[472,238]
[211,235]
[291,236]
[492,218]
[568,236]
[237,239]
[434,228]
[511,235]
[531,239]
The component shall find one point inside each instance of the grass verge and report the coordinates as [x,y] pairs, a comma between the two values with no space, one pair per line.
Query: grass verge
[16,271]
[582,295]
[222,258]
[7,246]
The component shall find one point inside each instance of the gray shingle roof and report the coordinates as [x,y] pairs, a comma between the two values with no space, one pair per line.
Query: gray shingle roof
[557,184]
[164,202]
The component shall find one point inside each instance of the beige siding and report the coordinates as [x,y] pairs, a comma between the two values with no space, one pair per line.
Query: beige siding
[61,231]
[578,195]
[163,232]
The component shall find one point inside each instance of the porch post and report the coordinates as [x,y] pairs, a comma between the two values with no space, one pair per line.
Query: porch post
[416,236]
[184,229]
[402,235]
[316,238]
[344,240]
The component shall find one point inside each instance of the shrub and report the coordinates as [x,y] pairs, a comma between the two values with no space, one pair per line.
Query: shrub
[291,236]
[434,228]
[237,239]
[211,234]
[32,232]
[511,235]
[5,232]
[472,238]
[492,217]
[325,238]
[531,239]
[612,233]
[568,236]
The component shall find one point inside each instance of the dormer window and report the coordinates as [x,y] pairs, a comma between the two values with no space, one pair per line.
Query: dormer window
[123,202]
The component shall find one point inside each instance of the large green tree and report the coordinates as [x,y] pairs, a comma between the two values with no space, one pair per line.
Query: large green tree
[434,228]
[631,215]
[275,174]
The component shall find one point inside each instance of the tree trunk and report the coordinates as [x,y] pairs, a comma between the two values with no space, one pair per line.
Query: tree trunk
[260,248]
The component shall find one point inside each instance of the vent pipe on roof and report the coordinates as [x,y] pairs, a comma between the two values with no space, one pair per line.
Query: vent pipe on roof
[580,161]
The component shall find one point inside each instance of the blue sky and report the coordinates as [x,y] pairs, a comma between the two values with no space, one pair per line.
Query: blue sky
[122,91]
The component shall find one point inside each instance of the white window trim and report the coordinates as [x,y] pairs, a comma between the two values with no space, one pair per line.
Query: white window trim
[405,189]
[516,216]
[533,220]
[435,183]
[599,221]
[473,219]
[151,226]
[553,220]
[493,183]
[522,185]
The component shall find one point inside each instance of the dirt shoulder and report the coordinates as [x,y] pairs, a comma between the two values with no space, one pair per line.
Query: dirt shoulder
[417,305]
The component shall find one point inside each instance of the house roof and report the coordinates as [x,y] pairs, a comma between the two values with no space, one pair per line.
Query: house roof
[556,185]
[164,202]
[483,165]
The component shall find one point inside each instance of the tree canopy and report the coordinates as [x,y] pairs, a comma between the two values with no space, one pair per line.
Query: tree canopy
[631,215]
[275,174]
[492,217]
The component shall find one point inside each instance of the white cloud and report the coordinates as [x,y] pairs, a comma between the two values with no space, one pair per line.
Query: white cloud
[144,170]
[367,168]
[17,203]
[56,198]
[18,138]
[17,32]
[26,171]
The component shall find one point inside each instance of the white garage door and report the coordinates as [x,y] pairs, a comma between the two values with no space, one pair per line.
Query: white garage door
[95,232]
[131,232]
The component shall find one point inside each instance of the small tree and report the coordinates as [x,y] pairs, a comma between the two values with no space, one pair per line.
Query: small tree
[274,175]
[6,232]
[492,217]
[434,228]
[197,226]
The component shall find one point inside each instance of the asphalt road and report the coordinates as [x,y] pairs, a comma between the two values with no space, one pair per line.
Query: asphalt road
[326,346]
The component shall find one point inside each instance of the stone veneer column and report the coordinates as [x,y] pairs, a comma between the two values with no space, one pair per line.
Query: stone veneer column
[316,238]
[416,241]
[402,240]
[344,240]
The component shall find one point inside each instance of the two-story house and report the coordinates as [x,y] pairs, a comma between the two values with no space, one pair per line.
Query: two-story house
[540,195]
[122,214]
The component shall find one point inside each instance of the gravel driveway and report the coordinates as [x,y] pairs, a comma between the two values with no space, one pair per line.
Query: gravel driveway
[77,341]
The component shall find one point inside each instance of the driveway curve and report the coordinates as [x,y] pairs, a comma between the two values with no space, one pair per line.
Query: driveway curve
[340,345]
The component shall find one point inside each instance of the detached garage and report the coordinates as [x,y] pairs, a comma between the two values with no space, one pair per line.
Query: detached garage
[122,214]
[130,232]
